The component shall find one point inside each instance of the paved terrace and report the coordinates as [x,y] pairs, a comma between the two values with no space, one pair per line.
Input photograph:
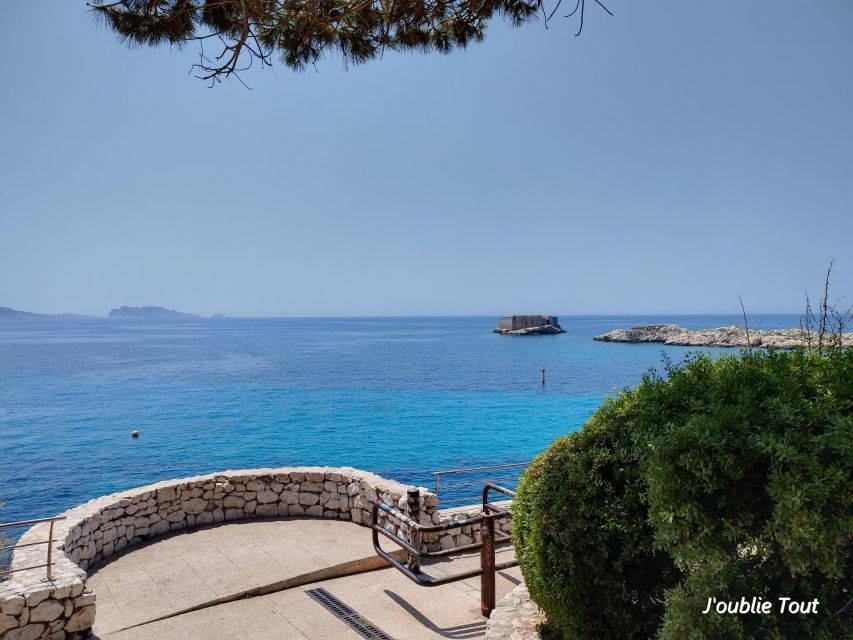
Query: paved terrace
[150,591]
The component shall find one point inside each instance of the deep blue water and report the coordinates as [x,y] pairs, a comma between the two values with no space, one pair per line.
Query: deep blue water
[399,396]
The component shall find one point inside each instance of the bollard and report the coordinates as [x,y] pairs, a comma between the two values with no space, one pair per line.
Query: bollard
[413,502]
[487,564]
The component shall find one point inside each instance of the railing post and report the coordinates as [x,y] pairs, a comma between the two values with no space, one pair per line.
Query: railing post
[413,501]
[50,552]
[487,564]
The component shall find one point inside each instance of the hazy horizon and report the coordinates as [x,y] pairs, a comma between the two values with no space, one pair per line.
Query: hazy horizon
[673,156]
[239,316]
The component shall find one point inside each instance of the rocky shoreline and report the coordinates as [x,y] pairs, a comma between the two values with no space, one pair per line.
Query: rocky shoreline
[675,335]
[530,331]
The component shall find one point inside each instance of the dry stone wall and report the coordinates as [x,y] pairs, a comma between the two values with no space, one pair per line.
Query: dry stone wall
[32,608]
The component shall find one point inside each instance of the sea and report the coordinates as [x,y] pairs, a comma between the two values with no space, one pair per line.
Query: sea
[399,396]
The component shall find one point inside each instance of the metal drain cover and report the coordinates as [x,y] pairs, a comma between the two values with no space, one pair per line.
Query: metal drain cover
[364,627]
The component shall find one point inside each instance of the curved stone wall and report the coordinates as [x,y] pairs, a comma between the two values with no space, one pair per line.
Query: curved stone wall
[32,608]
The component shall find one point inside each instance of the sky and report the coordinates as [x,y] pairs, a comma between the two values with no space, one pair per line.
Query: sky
[673,156]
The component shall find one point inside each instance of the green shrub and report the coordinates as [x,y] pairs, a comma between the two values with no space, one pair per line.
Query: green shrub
[729,478]
[581,532]
[750,491]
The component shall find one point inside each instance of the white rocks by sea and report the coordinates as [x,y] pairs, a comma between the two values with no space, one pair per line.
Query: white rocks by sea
[673,334]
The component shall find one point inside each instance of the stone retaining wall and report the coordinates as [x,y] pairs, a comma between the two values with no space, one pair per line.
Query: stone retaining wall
[64,609]
[516,617]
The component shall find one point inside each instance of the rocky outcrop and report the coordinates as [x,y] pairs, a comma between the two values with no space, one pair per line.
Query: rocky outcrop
[673,334]
[528,325]
[544,329]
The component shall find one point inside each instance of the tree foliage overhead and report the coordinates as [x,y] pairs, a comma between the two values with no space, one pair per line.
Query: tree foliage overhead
[301,32]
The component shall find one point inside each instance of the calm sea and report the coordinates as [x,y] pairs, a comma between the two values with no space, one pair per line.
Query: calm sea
[398,396]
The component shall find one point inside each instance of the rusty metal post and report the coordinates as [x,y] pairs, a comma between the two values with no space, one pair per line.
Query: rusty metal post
[413,503]
[50,552]
[487,564]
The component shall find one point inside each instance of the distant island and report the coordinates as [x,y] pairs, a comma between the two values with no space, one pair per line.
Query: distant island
[528,325]
[150,313]
[673,334]
[7,313]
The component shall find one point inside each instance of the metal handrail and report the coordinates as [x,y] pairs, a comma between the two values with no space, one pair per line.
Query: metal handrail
[48,542]
[438,474]
[490,537]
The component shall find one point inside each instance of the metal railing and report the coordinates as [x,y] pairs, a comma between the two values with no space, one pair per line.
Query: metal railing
[490,537]
[48,542]
[459,491]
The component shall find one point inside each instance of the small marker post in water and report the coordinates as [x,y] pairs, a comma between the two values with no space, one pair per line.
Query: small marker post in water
[134,434]
[543,376]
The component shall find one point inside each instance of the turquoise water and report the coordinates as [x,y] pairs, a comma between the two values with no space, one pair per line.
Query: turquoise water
[399,396]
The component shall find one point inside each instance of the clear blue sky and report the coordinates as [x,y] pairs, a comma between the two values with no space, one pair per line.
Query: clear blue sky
[672,156]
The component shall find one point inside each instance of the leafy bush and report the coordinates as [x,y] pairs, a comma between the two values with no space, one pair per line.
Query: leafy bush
[581,532]
[729,478]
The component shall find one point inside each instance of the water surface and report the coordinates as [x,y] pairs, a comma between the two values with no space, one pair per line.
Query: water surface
[399,396]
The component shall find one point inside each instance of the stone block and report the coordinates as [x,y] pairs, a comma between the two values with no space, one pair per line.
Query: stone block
[46,611]
[316,511]
[13,605]
[165,495]
[81,619]
[194,505]
[7,622]
[176,516]
[27,632]
[37,595]
[84,600]
[267,510]
[308,499]
[265,497]
[233,502]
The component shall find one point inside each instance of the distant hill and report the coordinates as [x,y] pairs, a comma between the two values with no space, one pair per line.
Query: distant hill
[150,313]
[7,313]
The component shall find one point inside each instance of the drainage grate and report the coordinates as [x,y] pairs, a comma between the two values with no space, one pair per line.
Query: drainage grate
[364,627]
